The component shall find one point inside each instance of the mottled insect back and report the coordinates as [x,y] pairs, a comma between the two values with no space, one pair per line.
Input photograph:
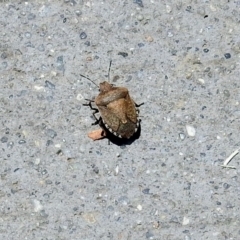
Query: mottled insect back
[119,113]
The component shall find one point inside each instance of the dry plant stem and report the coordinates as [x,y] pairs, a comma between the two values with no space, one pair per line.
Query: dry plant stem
[225,164]
[97,134]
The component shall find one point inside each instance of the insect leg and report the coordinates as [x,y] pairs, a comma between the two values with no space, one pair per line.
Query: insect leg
[139,105]
[89,100]
[89,104]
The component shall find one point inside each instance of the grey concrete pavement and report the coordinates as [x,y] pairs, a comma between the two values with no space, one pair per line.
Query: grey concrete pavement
[179,57]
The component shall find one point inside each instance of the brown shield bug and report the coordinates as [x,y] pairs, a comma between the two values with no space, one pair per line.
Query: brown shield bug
[118,112]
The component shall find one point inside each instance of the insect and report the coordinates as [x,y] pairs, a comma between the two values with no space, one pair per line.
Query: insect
[119,113]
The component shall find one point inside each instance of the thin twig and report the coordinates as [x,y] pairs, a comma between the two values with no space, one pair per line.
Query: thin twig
[225,164]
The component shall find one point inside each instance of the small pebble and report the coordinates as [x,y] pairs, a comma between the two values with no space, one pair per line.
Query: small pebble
[44,172]
[124,200]
[29,44]
[227,55]
[41,48]
[188,75]
[31,16]
[89,59]
[60,59]
[141,44]
[51,133]
[79,97]
[51,52]
[58,145]
[170,34]
[174,52]
[140,17]
[156,224]
[28,35]
[75,209]
[91,181]
[202,81]
[49,85]
[43,214]
[174,219]
[76,166]
[226,93]
[48,182]
[49,98]
[230,205]
[37,161]
[4,139]
[146,191]
[149,235]
[139,207]
[149,39]
[139,2]
[59,152]
[233,67]
[201,11]
[182,136]
[4,55]
[96,169]
[10,145]
[110,208]
[78,13]
[82,149]
[60,64]
[49,142]
[190,130]
[87,43]
[44,67]
[226,185]
[207,69]
[4,65]
[189,8]
[22,141]
[46,196]
[168,9]
[37,205]
[89,217]
[53,73]
[185,221]
[116,170]
[83,35]
[124,54]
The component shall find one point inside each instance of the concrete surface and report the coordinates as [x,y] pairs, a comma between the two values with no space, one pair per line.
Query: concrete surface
[179,57]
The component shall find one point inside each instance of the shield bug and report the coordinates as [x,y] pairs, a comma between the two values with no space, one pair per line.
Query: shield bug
[118,111]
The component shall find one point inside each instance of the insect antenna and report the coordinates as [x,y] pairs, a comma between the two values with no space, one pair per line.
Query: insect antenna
[89,80]
[110,64]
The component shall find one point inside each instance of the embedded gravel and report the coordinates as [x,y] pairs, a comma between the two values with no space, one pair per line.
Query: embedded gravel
[181,58]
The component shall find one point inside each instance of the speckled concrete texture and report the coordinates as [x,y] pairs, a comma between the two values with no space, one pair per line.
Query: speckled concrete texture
[181,58]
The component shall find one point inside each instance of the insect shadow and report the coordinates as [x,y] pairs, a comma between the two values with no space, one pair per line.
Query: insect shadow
[118,113]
